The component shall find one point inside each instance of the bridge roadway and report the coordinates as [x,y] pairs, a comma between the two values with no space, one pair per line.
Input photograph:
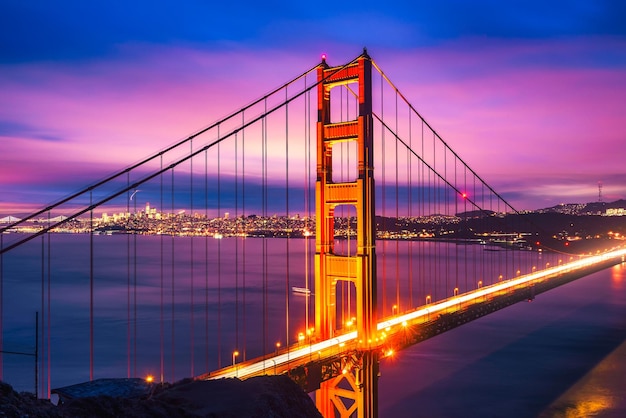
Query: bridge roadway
[399,331]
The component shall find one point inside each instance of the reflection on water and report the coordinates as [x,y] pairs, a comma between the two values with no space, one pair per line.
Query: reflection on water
[556,355]
[602,391]
[563,355]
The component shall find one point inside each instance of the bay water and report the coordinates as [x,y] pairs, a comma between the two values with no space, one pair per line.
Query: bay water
[174,307]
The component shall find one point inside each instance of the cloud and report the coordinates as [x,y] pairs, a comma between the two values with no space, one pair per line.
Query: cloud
[510,110]
[16,129]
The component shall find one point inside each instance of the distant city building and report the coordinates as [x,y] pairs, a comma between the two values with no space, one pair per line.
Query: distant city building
[616,212]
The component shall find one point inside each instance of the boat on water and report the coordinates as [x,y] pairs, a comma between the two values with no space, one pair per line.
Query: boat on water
[301,290]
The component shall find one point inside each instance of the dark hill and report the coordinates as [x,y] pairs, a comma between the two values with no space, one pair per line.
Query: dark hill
[265,396]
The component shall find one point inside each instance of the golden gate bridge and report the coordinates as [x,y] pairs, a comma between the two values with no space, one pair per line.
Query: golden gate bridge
[314,231]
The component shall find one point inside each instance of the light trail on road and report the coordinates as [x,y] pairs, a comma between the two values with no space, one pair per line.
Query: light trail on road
[328,348]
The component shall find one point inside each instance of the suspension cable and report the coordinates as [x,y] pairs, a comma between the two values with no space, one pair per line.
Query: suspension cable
[153,175]
[191,266]
[162,289]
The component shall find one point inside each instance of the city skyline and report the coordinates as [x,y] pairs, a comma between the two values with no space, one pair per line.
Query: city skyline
[529,96]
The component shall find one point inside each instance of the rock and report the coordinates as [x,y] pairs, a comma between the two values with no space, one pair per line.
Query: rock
[264,396]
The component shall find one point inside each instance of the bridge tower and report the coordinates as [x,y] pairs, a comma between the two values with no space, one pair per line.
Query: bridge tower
[356,389]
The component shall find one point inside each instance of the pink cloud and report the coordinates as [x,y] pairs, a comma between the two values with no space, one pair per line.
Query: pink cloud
[512,112]
[506,111]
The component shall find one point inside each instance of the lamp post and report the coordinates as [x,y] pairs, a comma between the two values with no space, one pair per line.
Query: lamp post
[309,333]
[235,354]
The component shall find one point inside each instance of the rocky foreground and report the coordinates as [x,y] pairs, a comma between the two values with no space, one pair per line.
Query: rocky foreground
[266,396]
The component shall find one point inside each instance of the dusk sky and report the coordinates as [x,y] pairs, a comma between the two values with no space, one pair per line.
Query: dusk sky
[531,94]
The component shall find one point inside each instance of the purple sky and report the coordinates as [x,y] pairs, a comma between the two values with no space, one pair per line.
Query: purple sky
[530,96]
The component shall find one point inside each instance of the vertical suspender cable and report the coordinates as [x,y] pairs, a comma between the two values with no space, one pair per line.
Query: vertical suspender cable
[236,245]
[347,284]
[465,223]
[135,229]
[48,316]
[340,244]
[90,286]
[434,202]
[243,239]
[42,294]
[264,211]
[219,254]
[423,213]
[287,215]
[456,211]
[191,266]
[128,195]
[397,133]
[307,139]
[410,207]
[162,317]
[349,220]
[474,255]
[263,238]
[206,262]
[173,287]
[310,188]
[384,187]
[446,203]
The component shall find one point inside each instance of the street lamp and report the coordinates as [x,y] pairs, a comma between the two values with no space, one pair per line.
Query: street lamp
[309,333]
[235,354]
[428,299]
[277,346]
[394,308]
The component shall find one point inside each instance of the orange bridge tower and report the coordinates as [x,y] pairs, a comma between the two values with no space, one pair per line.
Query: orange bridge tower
[355,390]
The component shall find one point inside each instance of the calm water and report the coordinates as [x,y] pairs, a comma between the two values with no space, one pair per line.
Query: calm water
[564,351]
[562,355]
